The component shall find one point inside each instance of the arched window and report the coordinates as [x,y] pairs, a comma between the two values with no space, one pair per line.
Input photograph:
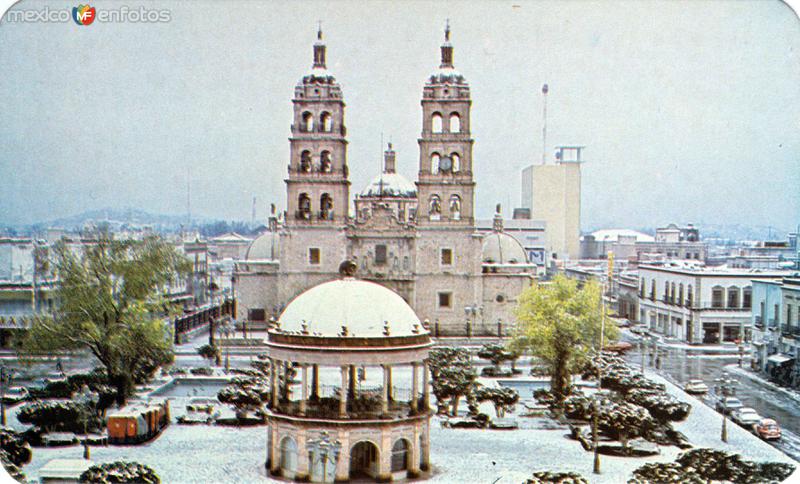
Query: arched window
[435,207]
[455,123]
[304,206]
[733,297]
[456,162]
[326,122]
[436,123]
[288,457]
[325,162]
[305,161]
[308,122]
[435,163]
[400,455]
[326,207]
[455,207]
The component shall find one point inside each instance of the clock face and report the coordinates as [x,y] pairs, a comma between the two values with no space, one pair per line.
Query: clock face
[446,164]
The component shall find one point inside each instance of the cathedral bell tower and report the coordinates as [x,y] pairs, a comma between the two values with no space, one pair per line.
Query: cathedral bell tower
[318,189]
[445,185]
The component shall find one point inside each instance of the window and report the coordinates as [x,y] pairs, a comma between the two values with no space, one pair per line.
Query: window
[456,162]
[314,256]
[653,290]
[455,123]
[641,288]
[788,315]
[446,257]
[256,314]
[325,162]
[680,294]
[304,207]
[308,122]
[717,296]
[305,161]
[435,163]
[445,299]
[689,296]
[733,297]
[435,207]
[380,254]
[436,123]
[326,207]
[326,122]
[747,298]
[455,207]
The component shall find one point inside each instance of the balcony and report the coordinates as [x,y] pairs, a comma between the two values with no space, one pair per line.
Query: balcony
[792,332]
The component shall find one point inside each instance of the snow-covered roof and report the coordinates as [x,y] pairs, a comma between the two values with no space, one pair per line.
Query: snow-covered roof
[390,185]
[447,75]
[266,247]
[500,248]
[231,237]
[319,74]
[363,307]
[612,235]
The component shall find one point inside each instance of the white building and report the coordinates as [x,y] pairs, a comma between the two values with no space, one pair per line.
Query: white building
[699,304]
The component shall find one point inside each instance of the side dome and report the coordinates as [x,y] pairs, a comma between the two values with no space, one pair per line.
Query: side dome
[265,247]
[350,308]
[390,185]
[500,248]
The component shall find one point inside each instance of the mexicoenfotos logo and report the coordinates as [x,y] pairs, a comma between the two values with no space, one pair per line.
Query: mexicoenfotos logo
[83,14]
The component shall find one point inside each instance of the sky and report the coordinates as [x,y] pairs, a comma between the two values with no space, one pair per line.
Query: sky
[689,110]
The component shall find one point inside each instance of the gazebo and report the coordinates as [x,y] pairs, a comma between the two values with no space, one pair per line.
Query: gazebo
[341,346]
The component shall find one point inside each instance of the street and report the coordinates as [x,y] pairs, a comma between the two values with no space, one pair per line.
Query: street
[680,365]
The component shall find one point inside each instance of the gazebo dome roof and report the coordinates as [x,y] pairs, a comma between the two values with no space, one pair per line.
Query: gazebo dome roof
[350,308]
[501,248]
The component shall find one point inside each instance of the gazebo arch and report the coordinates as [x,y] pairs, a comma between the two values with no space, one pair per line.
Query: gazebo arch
[364,459]
[288,461]
[401,455]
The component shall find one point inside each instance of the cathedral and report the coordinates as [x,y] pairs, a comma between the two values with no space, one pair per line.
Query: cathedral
[417,239]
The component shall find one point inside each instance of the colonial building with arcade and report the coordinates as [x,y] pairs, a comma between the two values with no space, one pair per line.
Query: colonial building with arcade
[417,239]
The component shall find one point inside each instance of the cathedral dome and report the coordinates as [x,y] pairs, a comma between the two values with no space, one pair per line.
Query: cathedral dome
[501,248]
[390,185]
[358,308]
[265,247]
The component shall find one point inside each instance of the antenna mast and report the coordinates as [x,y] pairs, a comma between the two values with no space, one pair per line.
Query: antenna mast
[545,89]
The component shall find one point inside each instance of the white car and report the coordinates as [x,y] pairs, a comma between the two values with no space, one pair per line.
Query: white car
[729,404]
[696,387]
[746,417]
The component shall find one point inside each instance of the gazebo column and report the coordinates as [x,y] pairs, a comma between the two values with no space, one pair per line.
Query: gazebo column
[273,380]
[414,453]
[391,392]
[385,457]
[314,381]
[274,451]
[426,392]
[351,389]
[414,374]
[287,380]
[343,393]
[385,392]
[304,389]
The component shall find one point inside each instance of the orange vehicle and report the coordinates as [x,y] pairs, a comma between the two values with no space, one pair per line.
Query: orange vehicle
[768,429]
[135,424]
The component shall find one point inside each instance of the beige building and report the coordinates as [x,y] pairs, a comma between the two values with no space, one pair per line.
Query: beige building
[553,193]
[418,239]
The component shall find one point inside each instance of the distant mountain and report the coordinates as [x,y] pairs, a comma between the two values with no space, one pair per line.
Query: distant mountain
[129,216]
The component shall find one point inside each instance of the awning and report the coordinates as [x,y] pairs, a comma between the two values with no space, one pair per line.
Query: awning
[779,359]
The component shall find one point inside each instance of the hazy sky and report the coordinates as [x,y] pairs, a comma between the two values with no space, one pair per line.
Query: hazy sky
[690,111]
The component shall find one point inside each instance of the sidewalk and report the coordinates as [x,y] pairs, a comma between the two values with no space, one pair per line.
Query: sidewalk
[794,395]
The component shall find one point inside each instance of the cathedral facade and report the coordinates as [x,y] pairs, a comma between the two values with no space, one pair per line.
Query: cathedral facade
[418,239]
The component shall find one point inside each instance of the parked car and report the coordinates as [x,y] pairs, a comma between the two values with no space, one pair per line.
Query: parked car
[728,405]
[695,387]
[746,417]
[768,429]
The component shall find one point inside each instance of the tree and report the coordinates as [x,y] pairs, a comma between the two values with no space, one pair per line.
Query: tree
[497,354]
[502,398]
[560,323]
[452,374]
[111,303]
[120,472]
[209,352]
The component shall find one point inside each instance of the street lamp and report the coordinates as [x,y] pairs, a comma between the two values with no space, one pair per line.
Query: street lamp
[89,399]
[324,450]
[5,382]
[725,388]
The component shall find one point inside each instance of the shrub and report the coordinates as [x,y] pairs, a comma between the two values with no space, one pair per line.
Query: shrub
[120,472]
